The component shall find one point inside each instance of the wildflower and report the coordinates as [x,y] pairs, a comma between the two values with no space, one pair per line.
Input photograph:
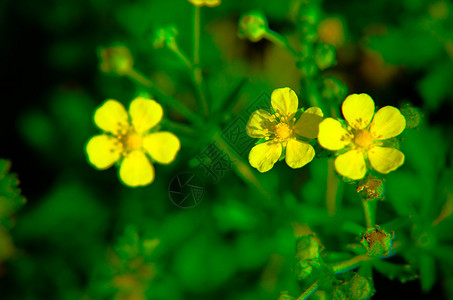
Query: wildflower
[128,138]
[280,130]
[363,138]
[253,26]
[210,3]
[116,60]
[377,241]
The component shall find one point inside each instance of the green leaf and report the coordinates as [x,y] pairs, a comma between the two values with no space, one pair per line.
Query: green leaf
[435,86]
[392,271]
[427,272]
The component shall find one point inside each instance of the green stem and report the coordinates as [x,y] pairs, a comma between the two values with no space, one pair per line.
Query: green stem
[178,127]
[181,56]
[242,169]
[140,78]
[197,74]
[280,41]
[164,98]
[309,291]
[368,214]
[350,264]
[333,184]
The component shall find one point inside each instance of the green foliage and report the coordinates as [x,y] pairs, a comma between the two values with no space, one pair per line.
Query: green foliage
[288,233]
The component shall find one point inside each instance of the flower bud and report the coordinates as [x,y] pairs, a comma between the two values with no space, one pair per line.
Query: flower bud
[165,37]
[116,60]
[253,26]
[338,294]
[331,30]
[360,288]
[303,269]
[307,247]
[334,88]
[377,241]
[325,56]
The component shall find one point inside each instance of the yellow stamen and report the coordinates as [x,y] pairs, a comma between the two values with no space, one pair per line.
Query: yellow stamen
[363,139]
[282,131]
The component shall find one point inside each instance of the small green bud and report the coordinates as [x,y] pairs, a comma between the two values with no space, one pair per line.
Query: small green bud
[307,67]
[165,37]
[377,241]
[325,56]
[253,26]
[338,294]
[116,60]
[303,269]
[334,88]
[307,247]
[360,288]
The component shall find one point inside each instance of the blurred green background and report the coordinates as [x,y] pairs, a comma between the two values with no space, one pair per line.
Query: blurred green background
[83,235]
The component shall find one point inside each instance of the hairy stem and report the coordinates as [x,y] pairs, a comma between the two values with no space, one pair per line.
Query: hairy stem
[369,218]
[309,291]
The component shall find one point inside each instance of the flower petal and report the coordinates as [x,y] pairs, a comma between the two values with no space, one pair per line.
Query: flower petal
[103,151]
[358,110]
[308,123]
[332,135]
[265,155]
[145,114]
[284,101]
[351,164]
[162,146]
[136,170]
[385,160]
[388,122]
[259,124]
[111,117]
[298,153]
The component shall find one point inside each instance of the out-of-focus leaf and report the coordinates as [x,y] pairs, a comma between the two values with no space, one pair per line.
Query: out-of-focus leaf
[427,271]
[435,86]
[394,271]
[444,254]
[38,130]
[406,46]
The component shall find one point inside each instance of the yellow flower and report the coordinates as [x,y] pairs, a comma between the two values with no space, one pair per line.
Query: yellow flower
[127,139]
[210,3]
[363,138]
[282,132]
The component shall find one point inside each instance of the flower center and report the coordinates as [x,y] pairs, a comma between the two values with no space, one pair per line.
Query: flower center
[282,131]
[363,139]
[132,141]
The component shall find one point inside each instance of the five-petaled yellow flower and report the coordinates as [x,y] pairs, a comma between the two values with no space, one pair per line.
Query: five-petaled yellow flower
[283,133]
[210,3]
[128,138]
[363,138]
